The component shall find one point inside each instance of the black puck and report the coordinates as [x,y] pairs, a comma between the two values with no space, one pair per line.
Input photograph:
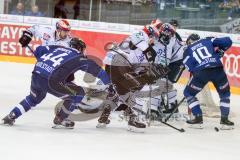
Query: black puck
[216,129]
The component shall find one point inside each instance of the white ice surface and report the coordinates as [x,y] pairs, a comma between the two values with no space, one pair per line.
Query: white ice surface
[33,139]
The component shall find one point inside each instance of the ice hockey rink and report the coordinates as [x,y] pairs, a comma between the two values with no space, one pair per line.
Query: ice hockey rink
[32,138]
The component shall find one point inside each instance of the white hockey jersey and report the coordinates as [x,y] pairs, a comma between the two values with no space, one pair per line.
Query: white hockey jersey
[131,56]
[172,53]
[48,35]
[165,55]
[177,50]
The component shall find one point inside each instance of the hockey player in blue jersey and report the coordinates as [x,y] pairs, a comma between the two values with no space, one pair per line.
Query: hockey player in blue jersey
[52,69]
[202,59]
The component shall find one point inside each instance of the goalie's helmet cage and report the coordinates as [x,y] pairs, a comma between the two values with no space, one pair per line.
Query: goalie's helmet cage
[63,25]
[167,31]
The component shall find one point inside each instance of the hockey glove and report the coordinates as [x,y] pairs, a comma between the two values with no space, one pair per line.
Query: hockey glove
[150,54]
[220,52]
[26,38]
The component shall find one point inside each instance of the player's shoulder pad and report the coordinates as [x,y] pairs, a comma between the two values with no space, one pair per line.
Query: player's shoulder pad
[42,48]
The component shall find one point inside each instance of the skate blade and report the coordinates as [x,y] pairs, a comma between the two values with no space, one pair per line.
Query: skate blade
[61,127]
[135,129]
[196,126]
[6,124]
[101,125]
[226,127]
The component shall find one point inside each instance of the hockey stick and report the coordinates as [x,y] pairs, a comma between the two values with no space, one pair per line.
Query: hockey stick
[149,102]
[166,64]
[174,110]
[30,49]
[160,120]
[169,125]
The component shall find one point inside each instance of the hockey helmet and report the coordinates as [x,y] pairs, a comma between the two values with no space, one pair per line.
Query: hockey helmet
[77,44]
[167,31]
[192,38]
[174,23]
[63,25]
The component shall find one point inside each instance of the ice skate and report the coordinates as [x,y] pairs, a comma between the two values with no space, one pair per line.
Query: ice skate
[9,119]
[133,124]
[103,120]
[197,122]
[60,123]
[226,124]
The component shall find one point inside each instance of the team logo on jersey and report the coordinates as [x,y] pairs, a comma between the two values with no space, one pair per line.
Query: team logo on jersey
[141,58]
[46,36]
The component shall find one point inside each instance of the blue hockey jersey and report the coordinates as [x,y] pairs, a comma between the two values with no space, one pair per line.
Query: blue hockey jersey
[50,58]
[202,54]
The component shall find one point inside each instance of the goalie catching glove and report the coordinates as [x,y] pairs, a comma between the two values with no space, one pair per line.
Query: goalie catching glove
[26,38]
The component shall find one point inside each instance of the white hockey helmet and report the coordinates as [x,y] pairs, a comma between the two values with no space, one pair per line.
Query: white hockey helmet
[63,25]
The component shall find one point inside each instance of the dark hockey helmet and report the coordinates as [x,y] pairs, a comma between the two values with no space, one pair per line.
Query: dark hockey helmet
[77,44]
[174,23]
[167,31]
[192,38]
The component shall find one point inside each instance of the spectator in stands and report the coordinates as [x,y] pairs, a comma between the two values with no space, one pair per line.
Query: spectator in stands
[183,3]
[60,11]
[226,4]
[209,9]
[235,8]
[76,9]
[34,12]
[19,10]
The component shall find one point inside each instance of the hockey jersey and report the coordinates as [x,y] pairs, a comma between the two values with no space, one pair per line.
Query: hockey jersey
[203,53]
[165,54]
[170,53]
[50,58]
[48,35]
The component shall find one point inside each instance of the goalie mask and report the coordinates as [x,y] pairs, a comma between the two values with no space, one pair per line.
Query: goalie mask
[192,38]
[77,44]
[167,31]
